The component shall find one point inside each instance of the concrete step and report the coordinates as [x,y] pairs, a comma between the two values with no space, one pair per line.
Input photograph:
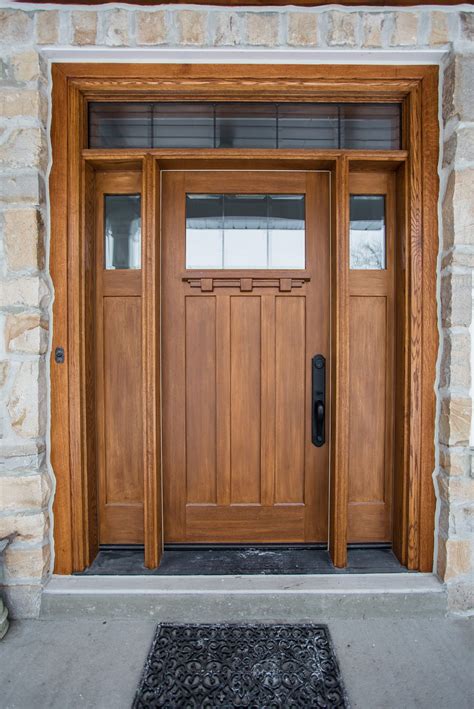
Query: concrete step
[288,598]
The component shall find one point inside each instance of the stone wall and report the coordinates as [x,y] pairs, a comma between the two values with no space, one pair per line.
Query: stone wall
[26,484]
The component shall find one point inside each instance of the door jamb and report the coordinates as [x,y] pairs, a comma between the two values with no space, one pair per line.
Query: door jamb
[72,451]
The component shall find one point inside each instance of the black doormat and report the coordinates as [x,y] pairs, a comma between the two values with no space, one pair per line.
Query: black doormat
[227,665]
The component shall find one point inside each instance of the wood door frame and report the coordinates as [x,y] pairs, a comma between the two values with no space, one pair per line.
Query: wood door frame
[71,187]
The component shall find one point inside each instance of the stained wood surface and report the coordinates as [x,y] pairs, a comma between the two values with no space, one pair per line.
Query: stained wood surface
[371,376]
[238,462]
[119,372]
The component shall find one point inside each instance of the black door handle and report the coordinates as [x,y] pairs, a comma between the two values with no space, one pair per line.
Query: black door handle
[318,400]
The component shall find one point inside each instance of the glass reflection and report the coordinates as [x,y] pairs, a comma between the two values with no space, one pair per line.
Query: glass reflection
[367,232]
[122,231]
[245,231]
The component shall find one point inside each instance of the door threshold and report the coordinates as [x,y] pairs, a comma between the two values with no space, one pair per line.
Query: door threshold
[242,560]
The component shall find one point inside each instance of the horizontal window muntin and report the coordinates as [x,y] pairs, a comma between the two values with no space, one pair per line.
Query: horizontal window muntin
[299,126]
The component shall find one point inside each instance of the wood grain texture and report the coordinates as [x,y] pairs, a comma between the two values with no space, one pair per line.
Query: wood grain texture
[372,379]
[119,371]
[237,361]
[72,84]
[64,529]
[339,364]
[151,335]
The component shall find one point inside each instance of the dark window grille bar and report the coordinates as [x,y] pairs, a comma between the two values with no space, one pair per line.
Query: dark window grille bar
[245,125]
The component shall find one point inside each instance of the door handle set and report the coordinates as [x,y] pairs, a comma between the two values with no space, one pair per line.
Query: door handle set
[318,403]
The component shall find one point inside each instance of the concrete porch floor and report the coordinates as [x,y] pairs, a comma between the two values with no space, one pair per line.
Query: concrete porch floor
[386,663]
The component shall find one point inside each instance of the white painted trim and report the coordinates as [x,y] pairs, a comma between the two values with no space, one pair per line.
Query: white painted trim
[315,585]
[211,55]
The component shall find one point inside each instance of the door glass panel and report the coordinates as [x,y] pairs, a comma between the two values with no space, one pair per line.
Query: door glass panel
[367,232]
[286,231]
[122,231]
[258,231]
[204,230]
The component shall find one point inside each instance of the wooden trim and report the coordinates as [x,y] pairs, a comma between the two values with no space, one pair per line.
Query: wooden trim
[338,481]
[151,363]
[60,433]
[416,87]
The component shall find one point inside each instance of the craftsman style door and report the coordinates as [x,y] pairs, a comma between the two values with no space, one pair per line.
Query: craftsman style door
[245,312]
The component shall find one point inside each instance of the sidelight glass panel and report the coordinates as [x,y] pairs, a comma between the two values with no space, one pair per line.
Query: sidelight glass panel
[122,231]
[257,231]
[367,232]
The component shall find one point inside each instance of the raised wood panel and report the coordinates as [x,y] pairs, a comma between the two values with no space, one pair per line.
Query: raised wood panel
[123,435]
[238,522]
[201,399]
[367,399]
[245,383]
[290,399]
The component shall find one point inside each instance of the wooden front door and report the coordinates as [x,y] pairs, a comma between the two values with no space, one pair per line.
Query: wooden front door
[245,307]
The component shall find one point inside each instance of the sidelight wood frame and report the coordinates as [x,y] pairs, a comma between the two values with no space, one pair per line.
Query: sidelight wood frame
[73,447]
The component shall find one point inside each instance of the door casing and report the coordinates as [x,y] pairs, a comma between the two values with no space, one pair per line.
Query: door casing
[73,451]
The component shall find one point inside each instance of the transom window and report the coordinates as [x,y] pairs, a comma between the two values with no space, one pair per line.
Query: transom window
[349,126]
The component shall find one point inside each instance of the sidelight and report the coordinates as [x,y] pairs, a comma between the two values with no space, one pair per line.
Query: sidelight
[259,231]
[122,231]
[367,232]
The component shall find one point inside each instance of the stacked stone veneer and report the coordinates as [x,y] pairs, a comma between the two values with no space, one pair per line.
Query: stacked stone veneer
[26,484]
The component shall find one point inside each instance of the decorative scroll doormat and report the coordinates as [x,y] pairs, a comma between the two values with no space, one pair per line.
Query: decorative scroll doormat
[228,665]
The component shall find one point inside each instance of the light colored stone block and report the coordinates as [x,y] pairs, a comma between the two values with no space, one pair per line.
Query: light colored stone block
[455,421]
[454,558]
[26,563]
[16,27]
[47,27]
[24,243]
[302,29]
[455,462]
[458,88]
[151,27]
[342,28]
[26,403]
[4,369]
[455,361]
[372,25]
[467,26]
[26,527]
[26,333]
[227,29]
[18,188]
[262,29]
[192,27]
[456,295]
[24,148]
[28,103]
[84,27]
[26,66]
[24,291]
[405,31]
[116,28]
[22,492]
[439,30]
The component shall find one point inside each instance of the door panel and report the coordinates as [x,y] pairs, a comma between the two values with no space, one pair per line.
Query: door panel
[371,351]
[238,461]
[119,359]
